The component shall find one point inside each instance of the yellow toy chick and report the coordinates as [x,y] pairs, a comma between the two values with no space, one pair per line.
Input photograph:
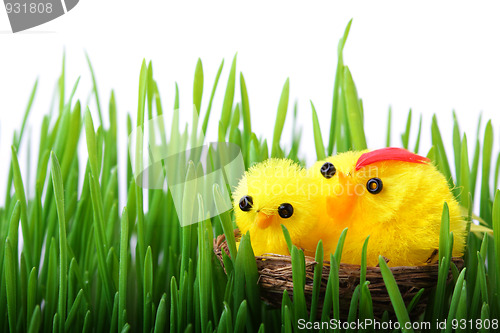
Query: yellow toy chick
[272,193]
[394,196]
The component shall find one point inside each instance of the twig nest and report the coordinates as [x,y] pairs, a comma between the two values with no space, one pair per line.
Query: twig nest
[275,273]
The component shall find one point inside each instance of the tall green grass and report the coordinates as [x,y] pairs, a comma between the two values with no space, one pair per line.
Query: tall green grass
[78,271]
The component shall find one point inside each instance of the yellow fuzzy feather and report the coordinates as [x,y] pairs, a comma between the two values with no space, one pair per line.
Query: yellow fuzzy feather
[403,220]
[270,184]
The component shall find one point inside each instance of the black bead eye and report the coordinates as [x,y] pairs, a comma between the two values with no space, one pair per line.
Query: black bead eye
[374,185]
[328,170]
[246,203]
[285,210]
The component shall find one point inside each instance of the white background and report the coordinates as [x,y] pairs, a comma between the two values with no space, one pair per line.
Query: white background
[433,58]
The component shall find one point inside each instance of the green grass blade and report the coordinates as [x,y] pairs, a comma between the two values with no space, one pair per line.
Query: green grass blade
[280,118]
[298,275]
[464,179]
[13,232]
[73,312]
[226,323]
[18,138]
[198,86]
[476,288]
[148,290]
[389,122]
[26,114]
[23,279]
[474,168]
[455,300]
[318,139]
[235,121]
[36,321]
[497,171]
[71,141]
[485,318]
[288,239]
[318,270]
[126,328]
[114,315]
[442,160]
[329,293]
[51,290]
[32,293]
[485,203]
[245,109]
[405,137]
[365,303]
[123,274]
[287,321]
[496,234]
[174,305]
[204,268]
[187,212]
[241,318]
[414,301]
[462,306]
[62,83]
[335,288]
[209,108]
[98,211]
[227,106]
[475,161]
[417,143]
[55,323]
[483,286]
[445,247]
[150,83]
[457,147]
[296,136]
[94,88]
[340,246]
[161,315]
[247,267]
[286,302]
[337,86]
[354,117]
[353,306]
[10,284]
[227,225]
[92,149]
[63,245]
[21,196]
[87,322]
[139,158]
[394,294]
[432,155]
[362,273]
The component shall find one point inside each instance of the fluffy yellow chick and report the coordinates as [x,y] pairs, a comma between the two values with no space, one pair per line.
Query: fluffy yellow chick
[272,193]
[394,196]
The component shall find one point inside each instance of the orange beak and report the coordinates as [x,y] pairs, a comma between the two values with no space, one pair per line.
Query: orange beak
[263,220]
[331,206]
[340,204]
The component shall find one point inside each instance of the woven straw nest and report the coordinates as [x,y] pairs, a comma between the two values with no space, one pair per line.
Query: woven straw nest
[276,275]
